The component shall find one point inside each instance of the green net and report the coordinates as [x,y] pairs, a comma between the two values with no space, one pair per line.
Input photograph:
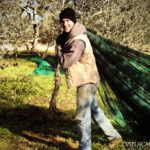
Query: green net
[124,83]
[44,68]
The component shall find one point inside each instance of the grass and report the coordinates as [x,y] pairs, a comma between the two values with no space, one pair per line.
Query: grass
[24,123]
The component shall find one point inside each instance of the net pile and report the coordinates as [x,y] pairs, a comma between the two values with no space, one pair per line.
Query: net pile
[124,83]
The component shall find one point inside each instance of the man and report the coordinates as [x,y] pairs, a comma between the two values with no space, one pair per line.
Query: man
[76,57]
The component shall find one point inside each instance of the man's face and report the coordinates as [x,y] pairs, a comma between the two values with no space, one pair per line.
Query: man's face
[67,24]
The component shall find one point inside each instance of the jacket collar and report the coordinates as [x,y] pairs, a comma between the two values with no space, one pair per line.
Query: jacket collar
[77,30]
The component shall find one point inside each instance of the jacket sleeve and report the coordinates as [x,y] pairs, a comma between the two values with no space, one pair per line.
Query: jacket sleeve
[71,53]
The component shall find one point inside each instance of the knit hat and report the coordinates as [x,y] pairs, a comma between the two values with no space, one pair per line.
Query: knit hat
[68,13]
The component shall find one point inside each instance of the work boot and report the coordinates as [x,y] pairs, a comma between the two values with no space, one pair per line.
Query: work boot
[115,142]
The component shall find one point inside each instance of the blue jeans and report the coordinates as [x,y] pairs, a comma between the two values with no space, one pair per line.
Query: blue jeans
[86,106]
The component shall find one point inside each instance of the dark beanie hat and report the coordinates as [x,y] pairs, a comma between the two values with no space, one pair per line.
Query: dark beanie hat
[68,13]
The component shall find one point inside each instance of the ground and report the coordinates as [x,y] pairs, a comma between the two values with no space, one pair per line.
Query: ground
[25,123]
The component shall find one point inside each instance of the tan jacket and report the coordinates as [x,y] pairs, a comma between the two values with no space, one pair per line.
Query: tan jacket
[84,70]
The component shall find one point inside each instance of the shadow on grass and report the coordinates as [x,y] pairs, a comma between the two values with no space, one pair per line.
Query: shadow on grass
[33,123]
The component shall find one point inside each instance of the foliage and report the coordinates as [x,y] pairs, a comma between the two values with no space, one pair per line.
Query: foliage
[13,28]
[49,28]
[125,22]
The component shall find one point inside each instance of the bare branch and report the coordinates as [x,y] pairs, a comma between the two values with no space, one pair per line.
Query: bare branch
[97,13]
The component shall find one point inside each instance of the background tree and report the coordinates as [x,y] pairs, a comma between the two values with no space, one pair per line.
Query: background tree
[38,10]
[13,28]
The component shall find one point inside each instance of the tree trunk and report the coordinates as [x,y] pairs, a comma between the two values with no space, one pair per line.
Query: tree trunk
[36,33]
[52,107]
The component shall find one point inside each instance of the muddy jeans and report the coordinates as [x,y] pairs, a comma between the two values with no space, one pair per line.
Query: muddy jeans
[86,106]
